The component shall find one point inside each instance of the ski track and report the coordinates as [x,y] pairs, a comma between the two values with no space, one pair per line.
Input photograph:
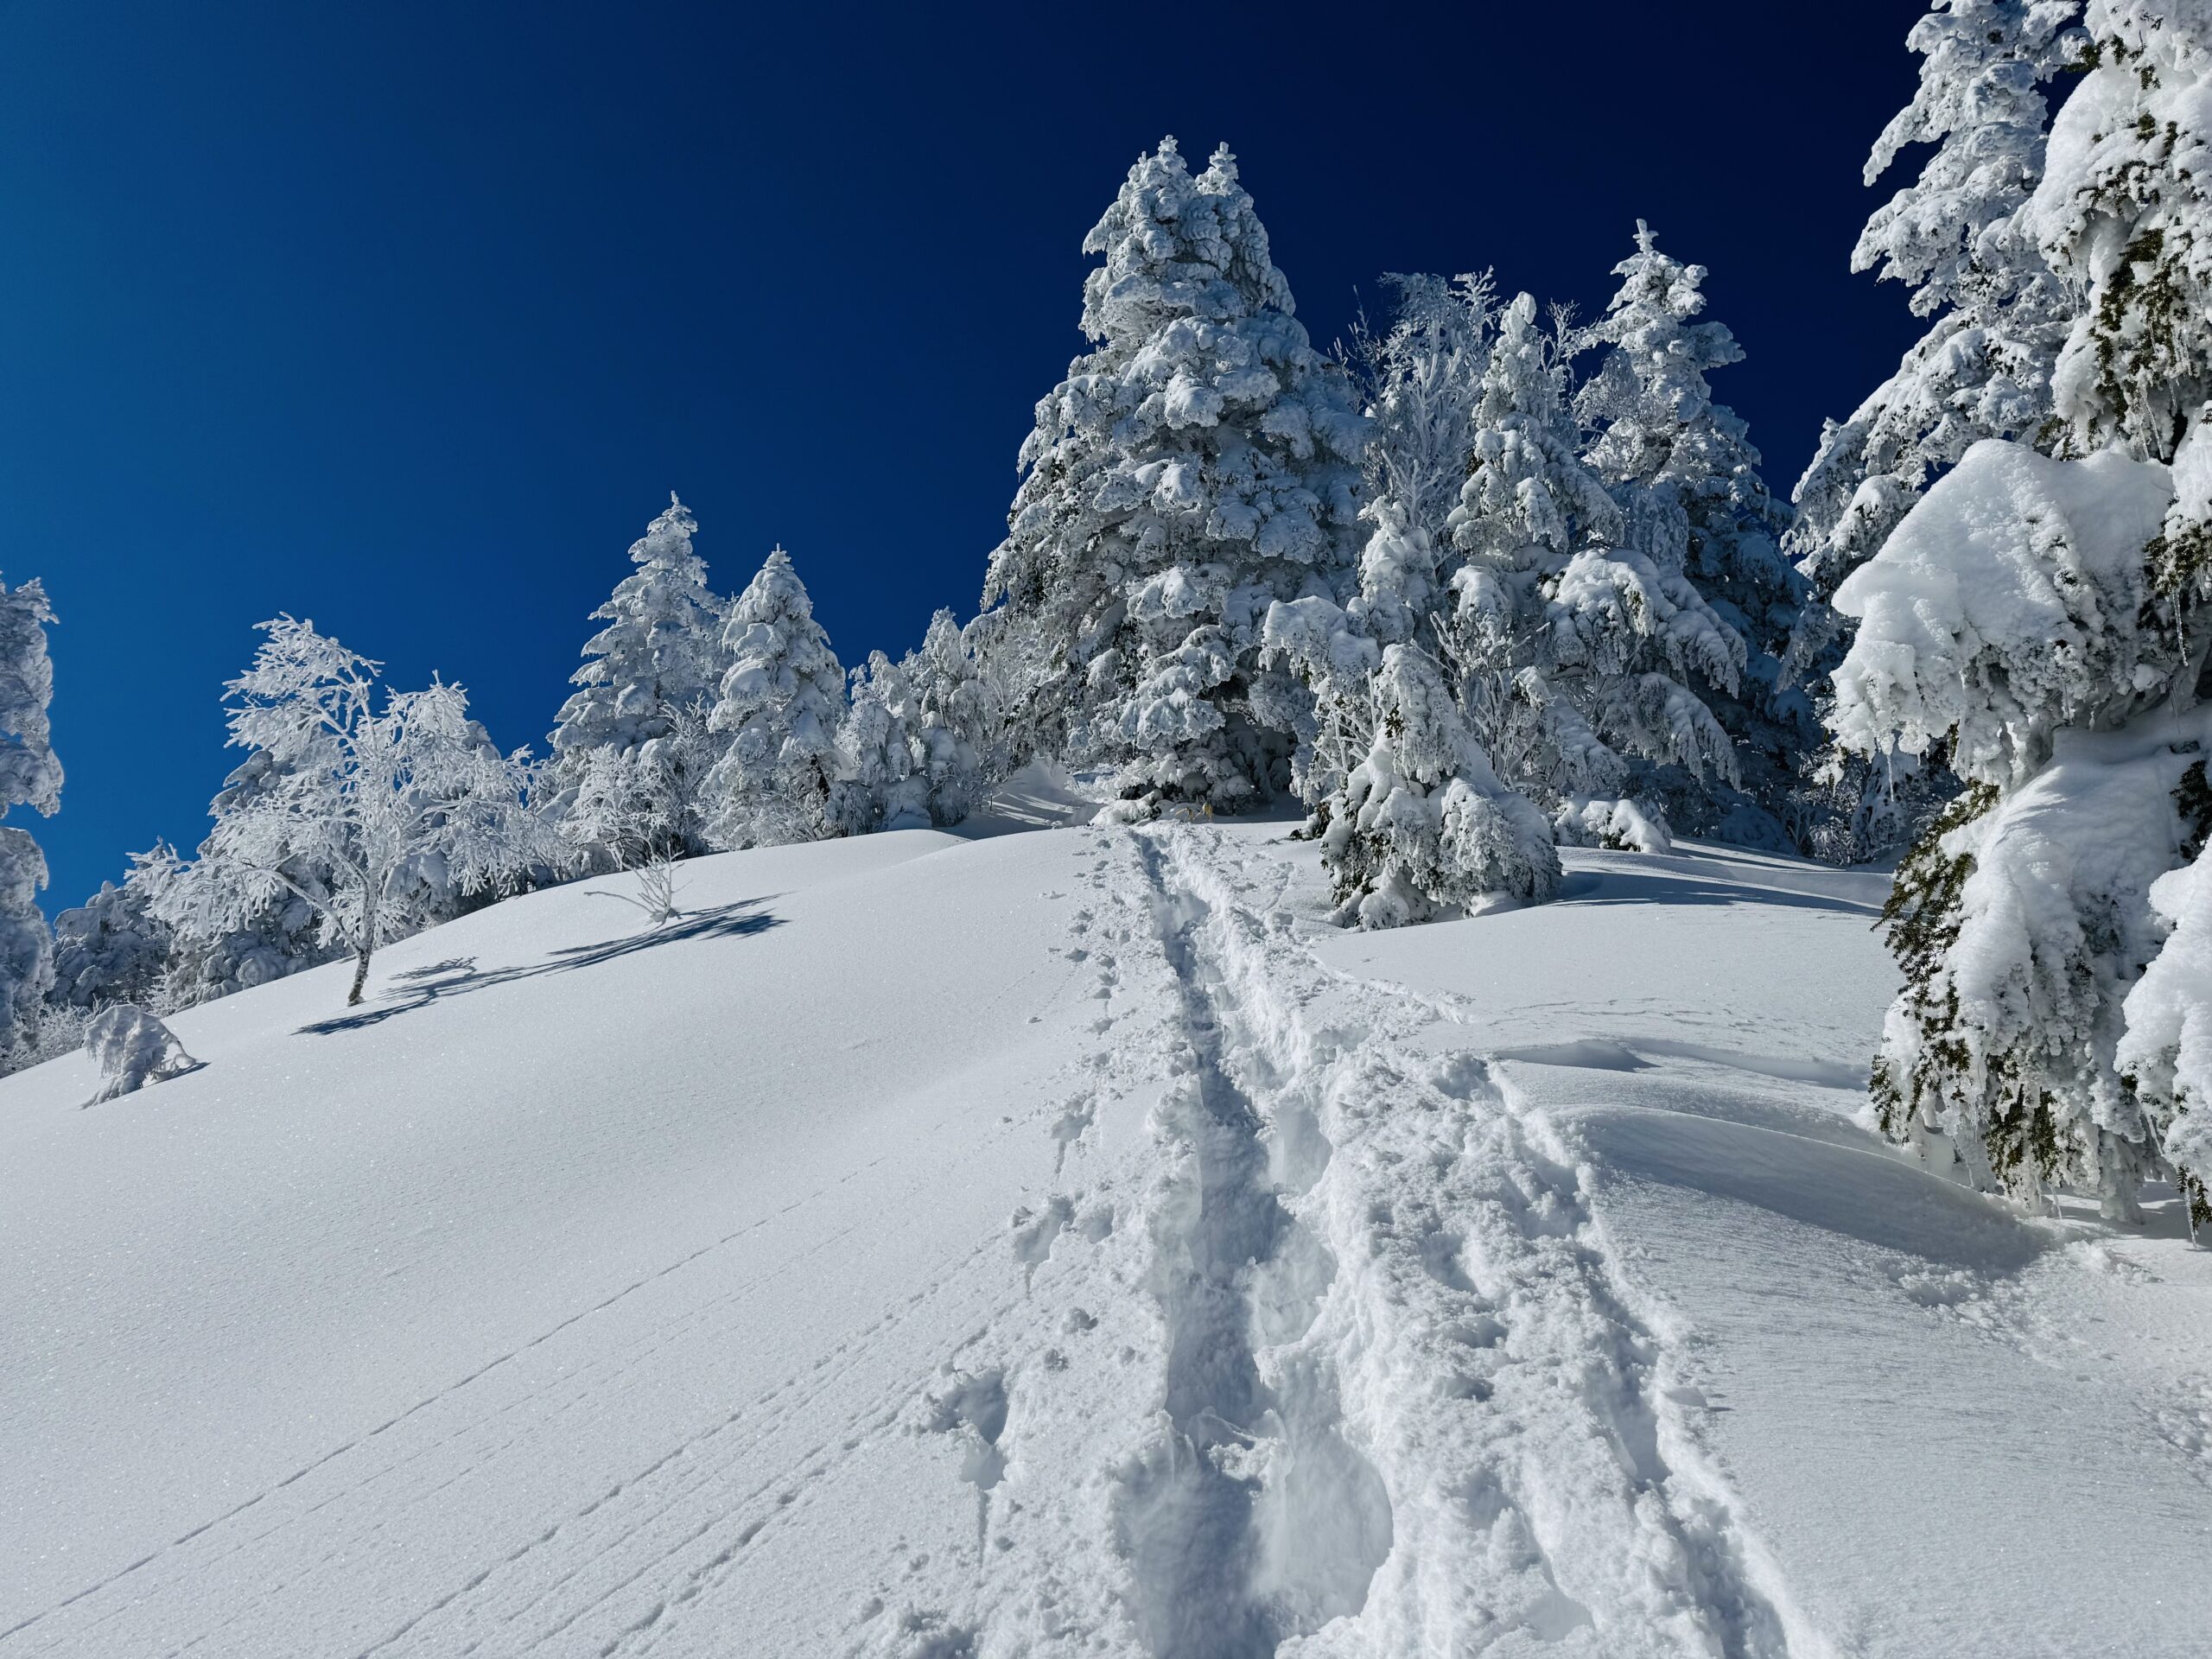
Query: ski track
[1403,1399]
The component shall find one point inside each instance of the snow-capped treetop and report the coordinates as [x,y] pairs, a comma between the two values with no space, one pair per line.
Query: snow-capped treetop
[30,774]
[1529,492]
[1682,466]
[1202,461]
[1424,374]
[782,700]
[1179,247]
[661,649]
[1983,370]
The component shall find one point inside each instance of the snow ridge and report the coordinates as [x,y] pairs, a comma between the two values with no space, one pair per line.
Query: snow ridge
[1448,1427]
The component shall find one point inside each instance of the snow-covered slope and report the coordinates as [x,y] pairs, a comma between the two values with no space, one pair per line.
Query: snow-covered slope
[1063,1243]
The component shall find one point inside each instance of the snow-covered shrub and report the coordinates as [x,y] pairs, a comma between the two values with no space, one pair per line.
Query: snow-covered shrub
[782,700]
[1201,462]
[1624,825]
[30,776]
[656,668]
[1686,479]
[367,810]
[1418,821]
[132,1048]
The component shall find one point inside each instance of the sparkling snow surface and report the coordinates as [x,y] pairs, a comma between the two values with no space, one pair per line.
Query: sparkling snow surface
[1064,1243]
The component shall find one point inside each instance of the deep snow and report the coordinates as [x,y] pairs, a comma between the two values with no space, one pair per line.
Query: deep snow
[1064,1241]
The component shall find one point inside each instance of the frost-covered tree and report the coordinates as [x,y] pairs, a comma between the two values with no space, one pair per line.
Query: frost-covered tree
[1998,312]
[654,671]
[1201,462]
[782,700]
[1683,469]
[112,947]
[1575,651]
[30,776]
[2038,613]
[391,798]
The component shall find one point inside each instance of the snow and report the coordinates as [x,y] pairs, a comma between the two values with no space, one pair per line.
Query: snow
[1065,1241]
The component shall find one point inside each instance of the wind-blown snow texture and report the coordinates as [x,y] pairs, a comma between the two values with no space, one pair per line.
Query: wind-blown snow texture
[1064,1243]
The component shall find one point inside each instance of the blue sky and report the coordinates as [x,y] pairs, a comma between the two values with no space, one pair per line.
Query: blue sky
[407,317]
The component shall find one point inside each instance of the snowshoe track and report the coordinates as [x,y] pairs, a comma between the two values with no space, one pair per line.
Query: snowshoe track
[1445,1425]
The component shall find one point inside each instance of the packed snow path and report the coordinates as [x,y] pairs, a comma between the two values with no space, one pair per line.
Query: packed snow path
[1064,1243]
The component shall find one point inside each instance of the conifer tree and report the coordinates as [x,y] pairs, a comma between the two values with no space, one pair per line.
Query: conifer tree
[30,776]
[1201,461]
[782,700]
[1683,469]
[1573,649]
[959,721]
[1998,314]
[2038,612]
[654,672]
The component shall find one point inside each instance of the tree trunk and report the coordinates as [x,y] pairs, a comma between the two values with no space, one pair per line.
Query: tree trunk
[360,972]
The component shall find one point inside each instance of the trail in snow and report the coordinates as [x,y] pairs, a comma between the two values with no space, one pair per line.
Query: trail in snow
[1433,1419]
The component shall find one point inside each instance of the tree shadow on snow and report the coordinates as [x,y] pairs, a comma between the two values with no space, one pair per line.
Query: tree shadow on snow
[438,982]
[1642,888]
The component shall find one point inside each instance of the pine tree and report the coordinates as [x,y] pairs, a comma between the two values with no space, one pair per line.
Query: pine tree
[2038,613]
[782,701]
[30,776]
[1686,477]
[655,670]
[1573,649]
[1201,462]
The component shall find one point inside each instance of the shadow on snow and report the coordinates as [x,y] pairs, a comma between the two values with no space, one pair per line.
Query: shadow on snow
[459,975]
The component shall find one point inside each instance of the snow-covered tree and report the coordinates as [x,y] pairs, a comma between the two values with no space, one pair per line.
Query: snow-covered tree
[782,700]
[391,798]
[30,776]
[1412,818]
[1575,650]
[654,671]
[2038,613]
[1201,462]
[962,724]
[1998,314]
[880,784]
[1998,310]
[111,948]
[1683,469]
[1418,822]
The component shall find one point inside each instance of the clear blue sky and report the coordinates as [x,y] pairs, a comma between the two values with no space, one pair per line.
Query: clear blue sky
[407,317]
